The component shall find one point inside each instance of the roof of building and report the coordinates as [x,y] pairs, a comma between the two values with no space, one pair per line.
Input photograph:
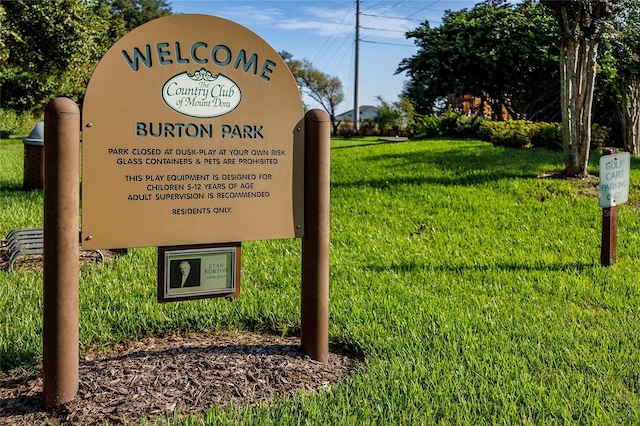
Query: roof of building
[365,111]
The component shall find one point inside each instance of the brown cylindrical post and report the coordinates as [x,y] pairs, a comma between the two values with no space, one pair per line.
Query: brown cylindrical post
[61,244]
[608,248]
[315,243]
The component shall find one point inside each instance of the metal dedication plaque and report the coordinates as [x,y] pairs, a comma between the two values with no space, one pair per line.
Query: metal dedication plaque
[195,272]
[192,133]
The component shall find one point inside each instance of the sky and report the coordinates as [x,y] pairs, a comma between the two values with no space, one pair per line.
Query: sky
[324,33]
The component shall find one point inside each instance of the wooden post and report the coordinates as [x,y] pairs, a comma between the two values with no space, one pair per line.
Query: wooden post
[61,245]
[608,252]
[314,329]
[608,249]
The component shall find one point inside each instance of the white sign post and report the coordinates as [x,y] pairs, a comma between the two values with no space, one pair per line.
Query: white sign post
[614,190]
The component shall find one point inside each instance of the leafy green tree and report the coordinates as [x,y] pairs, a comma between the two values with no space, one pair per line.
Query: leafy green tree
[583,24]
[321,87]
[133,13]
[398,115]
[420,97]
[500,52]
[388,116]
[50,48]
[625,48]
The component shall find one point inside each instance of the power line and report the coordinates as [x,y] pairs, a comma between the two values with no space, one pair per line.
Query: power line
[389,44]
[392,17]
[333,38]
[393,7]
[424,8]
[376,5]
[383,29]
[335,52]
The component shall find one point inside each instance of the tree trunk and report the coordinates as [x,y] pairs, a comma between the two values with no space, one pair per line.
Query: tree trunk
[578,75]
[630,90]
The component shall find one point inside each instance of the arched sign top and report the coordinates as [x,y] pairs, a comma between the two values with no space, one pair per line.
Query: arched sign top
[192,134]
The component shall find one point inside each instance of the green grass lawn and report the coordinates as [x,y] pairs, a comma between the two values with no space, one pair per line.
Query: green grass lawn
[472,287]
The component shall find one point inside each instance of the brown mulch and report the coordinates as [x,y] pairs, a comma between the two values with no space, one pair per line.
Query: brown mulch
[591,177]
[153,378]
[159,376]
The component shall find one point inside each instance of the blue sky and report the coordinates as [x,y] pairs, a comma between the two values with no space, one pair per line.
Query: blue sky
[324,33]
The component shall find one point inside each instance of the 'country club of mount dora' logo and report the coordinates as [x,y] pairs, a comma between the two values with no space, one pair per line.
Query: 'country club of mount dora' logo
[201,94]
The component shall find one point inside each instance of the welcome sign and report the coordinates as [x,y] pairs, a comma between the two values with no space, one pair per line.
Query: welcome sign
[192,133]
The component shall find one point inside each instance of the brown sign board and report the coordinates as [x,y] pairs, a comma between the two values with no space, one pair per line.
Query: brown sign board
[192,134]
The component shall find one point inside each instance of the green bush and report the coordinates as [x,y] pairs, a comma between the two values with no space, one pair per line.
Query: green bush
[451,123]
[513,134]
[14,124]
[599,136]
[467,126]
[428,126]
[548,136]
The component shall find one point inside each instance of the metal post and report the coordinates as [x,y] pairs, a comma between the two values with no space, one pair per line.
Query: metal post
[61,243]
[356,83]
[315,243]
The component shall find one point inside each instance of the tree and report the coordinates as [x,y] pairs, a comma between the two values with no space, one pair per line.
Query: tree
[418,94]
[321,87]
[47,48]
[134,13]
[582,24]
[50,48]
[625,48]
[501,52]
[388,117]
[395,116]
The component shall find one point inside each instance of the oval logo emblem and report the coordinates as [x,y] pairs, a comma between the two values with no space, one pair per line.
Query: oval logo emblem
[201,94]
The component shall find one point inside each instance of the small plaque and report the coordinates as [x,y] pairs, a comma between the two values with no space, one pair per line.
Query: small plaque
[198,272]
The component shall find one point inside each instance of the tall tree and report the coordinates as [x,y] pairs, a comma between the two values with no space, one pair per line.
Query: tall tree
[626,52]
[50,48]
[501,52]
[319,86]
[582,24]
[134,13]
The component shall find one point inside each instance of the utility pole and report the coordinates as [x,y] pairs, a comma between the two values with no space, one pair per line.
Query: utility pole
[356,106]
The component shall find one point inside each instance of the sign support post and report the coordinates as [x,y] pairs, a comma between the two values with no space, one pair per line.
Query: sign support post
[608,250]
[61,244]
[314,333]
[614,190]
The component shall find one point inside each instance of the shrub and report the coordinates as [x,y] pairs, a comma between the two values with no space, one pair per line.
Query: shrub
[467,126]
[14,124]
[345,128]
[599,136]
[514,133]
[451,123]
[367,127]
[548,136]
[428,126]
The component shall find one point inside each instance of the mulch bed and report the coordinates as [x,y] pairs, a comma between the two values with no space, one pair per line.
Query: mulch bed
[159,376]
[152,378]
